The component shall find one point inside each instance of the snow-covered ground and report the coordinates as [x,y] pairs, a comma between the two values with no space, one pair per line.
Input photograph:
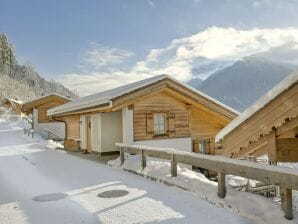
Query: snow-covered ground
[254,207]
[40,185]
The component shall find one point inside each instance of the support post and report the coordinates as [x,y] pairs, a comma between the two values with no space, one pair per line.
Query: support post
[121,156]
[286,202]
[143,160]
[173,166]
[221,185]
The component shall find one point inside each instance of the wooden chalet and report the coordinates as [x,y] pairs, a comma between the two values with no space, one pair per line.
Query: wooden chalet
[270,126]
[13,104]
[37,108]
[159,111]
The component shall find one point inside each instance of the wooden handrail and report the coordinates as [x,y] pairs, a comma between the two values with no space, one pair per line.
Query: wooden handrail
[286,178]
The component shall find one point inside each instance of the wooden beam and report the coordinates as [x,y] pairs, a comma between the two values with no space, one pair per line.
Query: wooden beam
[143,160]
[286,202]
[289,125]
[252,147]
[221,185]
[260,151]
[271,145]
[173,166]
[264,173]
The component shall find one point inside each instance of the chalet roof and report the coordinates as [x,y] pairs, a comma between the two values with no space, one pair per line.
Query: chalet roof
[106,97]
[281,87]
[14,101]
[31,103]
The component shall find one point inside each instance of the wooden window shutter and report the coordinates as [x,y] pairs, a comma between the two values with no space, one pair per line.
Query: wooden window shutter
[149,124]
[196,145]
[171,120]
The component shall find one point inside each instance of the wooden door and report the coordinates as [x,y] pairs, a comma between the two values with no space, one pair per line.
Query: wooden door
[88,124]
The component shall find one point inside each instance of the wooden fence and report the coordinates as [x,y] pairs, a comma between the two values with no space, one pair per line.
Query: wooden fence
[286,178]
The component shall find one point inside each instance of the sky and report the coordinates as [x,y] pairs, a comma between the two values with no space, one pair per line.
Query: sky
[94,45]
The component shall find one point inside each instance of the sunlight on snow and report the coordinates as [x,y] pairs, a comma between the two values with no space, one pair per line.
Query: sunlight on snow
[11,213]
[143,210]
[133,206]
[17,150]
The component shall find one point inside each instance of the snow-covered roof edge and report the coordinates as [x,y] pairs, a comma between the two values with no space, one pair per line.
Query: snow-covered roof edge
[47,95]
[15,101]
[72,106]
[282,86]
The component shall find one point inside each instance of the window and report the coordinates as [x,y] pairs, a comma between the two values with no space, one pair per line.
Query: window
[159,124]
[204,146]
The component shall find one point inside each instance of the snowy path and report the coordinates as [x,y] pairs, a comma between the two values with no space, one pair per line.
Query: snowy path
[28,170]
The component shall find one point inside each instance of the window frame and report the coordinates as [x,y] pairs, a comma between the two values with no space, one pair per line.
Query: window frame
[165,124]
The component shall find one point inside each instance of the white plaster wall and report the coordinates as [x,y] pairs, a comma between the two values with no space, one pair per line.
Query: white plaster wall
[111,131]
[127,126]
[182,144]
[56,127]
[96,132]
[35,119]
[39,128]
[83,140]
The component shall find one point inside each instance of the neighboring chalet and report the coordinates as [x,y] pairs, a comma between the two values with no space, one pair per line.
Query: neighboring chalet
[157,111]
[13,105]
[270,126]
[38,107]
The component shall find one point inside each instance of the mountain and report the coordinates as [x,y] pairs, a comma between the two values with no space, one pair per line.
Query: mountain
[22,82]
[195,82]
[242,83]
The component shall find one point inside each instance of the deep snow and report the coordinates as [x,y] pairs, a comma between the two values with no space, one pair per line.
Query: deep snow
[29,169]
[252,206]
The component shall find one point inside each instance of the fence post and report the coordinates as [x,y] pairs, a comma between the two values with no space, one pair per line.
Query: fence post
[173,166]
[286,202]
[221,184]
[143,159]
[121,156]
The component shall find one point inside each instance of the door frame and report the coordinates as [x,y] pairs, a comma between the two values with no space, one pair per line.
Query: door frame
[88,133]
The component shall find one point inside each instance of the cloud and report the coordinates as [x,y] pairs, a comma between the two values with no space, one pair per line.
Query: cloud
[259,3]
[99,56]
[151,3]
[204,52]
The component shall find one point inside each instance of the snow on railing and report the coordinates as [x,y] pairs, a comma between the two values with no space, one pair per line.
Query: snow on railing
[28,126]
[284,177]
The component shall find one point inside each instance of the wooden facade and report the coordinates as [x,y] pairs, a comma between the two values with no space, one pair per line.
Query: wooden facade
[272,130]
[186,113]
[43,104]
[14,105]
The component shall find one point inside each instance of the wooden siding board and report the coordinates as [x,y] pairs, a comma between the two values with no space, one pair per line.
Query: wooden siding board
[273,115]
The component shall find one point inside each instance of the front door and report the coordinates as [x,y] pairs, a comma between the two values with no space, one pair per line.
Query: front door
[88,124]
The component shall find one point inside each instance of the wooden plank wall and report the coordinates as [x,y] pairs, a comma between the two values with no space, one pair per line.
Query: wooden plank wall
[42,111]
[161,103]
[183,120]
[283,107]
[72,126]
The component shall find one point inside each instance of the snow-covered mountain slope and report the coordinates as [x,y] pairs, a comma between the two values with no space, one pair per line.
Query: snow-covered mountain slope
[22,81]
[242,83]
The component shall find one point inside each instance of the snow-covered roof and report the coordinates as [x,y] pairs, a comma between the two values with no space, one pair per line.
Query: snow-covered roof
[107,96]
[16,101]
[282,86]
[47,95]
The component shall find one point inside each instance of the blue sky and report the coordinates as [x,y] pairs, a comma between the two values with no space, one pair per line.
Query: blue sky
[114,41]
